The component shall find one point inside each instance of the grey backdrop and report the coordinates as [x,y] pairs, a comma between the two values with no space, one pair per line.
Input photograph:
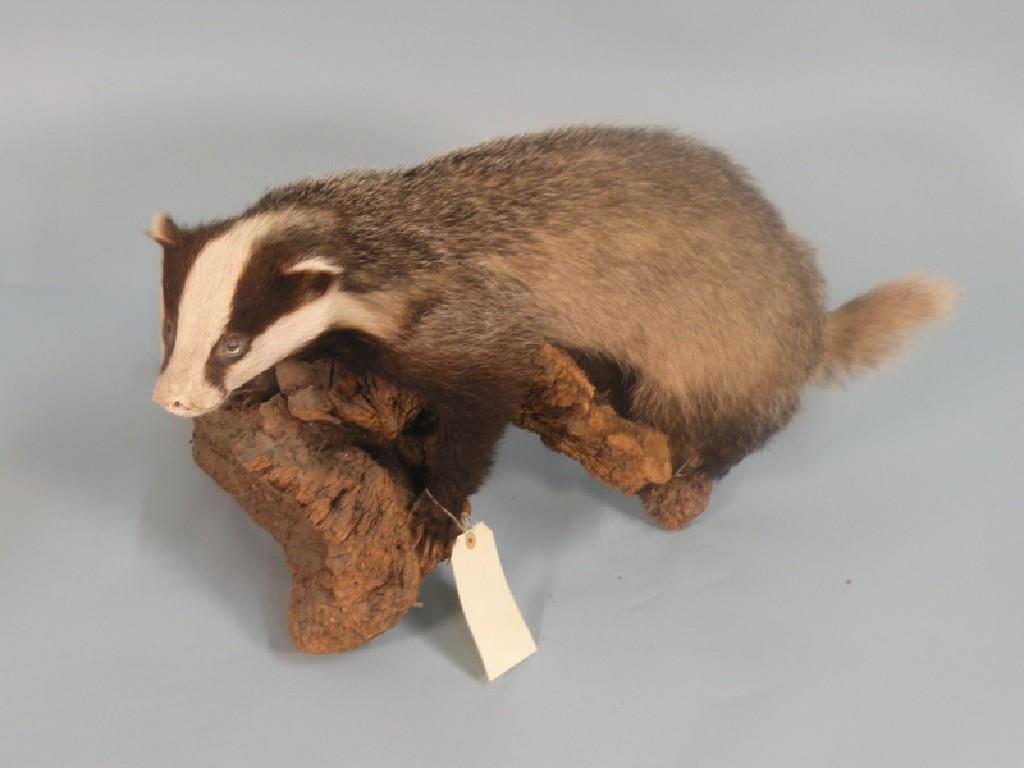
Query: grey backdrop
[851,598]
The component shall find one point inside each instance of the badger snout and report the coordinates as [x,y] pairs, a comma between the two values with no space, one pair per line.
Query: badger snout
[187,404]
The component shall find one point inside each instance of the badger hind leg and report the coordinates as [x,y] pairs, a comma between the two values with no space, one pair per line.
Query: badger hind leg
[720,435]
[675,503]
[708,435]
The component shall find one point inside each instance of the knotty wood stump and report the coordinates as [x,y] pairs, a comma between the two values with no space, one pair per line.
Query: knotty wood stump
[330,461]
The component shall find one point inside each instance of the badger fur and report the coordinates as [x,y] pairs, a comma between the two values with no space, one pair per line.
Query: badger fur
[633,248]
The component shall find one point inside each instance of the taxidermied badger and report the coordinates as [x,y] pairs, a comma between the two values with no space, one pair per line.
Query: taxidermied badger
[635,247]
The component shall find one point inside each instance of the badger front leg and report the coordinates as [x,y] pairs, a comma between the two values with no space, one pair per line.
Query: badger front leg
[460,454]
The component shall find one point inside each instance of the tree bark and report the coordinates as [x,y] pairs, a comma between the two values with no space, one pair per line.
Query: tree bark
[329,462]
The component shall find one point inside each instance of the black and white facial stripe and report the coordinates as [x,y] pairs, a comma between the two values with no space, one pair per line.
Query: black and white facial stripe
[239,297]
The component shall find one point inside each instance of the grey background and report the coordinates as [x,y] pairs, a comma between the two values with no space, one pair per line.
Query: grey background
[142,616]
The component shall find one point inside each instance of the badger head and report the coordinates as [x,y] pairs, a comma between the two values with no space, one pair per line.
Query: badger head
[240,295]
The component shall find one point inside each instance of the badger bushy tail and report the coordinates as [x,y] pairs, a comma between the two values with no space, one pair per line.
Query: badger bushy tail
[870,330]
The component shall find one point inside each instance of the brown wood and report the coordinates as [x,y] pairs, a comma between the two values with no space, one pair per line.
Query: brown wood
[327,462]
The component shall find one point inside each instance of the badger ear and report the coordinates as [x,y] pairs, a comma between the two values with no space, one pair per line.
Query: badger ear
[163,229]
[319,265]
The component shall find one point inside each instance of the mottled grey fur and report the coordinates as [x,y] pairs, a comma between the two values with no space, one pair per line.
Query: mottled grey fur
[637,247]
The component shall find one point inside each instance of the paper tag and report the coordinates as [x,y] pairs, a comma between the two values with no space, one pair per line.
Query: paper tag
[501,636]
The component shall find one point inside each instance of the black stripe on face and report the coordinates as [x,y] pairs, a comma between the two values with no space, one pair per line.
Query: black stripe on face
[178,259]
[265,293]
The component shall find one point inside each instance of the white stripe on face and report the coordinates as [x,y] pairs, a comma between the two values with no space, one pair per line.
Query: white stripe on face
[317,264]
[294,330]
[203,314]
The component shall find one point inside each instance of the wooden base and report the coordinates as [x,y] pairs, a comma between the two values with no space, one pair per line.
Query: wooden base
[327,461]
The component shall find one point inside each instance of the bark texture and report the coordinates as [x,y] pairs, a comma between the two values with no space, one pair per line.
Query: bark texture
[329,462]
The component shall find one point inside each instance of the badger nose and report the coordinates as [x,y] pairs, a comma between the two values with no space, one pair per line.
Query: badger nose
[184,399]
[176,405]
[179,408]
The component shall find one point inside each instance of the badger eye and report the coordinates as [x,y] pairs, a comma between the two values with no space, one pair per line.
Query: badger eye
[232,346]
[168,328]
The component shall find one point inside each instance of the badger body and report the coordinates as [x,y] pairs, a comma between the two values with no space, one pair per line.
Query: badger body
[635,248]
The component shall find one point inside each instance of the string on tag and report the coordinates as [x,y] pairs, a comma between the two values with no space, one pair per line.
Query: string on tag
[470,538]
